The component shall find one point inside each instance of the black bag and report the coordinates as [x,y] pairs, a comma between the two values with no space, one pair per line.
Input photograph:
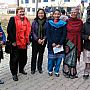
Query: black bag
[8,47]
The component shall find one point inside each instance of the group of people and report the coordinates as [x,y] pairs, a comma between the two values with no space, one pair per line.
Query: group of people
[64,41]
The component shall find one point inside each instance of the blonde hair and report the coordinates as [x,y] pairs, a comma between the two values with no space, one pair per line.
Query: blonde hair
[19,8]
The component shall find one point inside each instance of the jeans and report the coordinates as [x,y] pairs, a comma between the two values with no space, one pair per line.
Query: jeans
[54,62]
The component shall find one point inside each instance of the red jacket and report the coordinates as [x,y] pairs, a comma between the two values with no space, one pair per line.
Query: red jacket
[23,30]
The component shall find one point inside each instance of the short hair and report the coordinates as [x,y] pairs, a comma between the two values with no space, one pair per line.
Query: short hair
[63,11]
[19,8]
[82,1]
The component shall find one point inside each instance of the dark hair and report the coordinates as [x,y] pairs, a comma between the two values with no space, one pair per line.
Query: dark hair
[56,10]
[63,11]
[82,1]
[38,11]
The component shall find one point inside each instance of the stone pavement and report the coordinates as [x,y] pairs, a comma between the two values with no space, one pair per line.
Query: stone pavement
[41,81]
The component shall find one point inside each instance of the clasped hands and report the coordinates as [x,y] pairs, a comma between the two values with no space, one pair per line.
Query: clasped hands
[41,41]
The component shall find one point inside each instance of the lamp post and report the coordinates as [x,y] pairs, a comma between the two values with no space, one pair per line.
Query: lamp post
[36,5]
[17,2]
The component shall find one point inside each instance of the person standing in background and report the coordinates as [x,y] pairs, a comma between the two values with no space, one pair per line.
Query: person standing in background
[88,11]
[38,40]
[63,15]
[81,9]
[18,30]
[2,42]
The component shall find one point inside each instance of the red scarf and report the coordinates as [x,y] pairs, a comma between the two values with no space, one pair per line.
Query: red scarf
[74,27]
[23,30]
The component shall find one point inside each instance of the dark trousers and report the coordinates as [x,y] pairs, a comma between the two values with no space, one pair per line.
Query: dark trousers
[18,58]
[37,49]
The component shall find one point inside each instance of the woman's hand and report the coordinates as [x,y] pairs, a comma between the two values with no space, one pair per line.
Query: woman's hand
[89,37]
[14,44]
[58,46]
[39,41]
[54,45]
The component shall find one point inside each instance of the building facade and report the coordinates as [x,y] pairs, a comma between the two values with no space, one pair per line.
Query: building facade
[31,6]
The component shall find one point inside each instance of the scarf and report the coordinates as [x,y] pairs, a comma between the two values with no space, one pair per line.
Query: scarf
[59,24]
[41,28]
[74,27]
[22,32]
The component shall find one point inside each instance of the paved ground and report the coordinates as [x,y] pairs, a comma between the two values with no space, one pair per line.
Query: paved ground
[41,81]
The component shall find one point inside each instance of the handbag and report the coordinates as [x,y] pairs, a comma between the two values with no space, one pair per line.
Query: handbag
[8,47]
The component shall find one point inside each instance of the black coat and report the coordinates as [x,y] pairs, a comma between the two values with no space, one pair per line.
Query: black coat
[86,34]
[11,30]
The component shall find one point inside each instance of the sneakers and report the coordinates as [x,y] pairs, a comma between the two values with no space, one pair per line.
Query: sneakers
[50,73]
[57,74]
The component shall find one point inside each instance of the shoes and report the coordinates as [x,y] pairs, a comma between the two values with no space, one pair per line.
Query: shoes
[50,73]
[85,76]
[40,71]
[57,74]
[15,78]
[1,82]
[23,72]
[32,72]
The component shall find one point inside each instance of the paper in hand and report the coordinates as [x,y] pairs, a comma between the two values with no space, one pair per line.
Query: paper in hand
[59,49]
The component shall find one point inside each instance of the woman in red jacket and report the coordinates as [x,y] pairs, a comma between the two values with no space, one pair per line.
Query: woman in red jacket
[18,34]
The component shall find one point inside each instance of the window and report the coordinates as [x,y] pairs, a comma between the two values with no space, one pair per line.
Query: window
[52,0]
[33,9]
[28,9]
[26,1]
[39,0]
[21,1]
[66,0]
[86,1]
[45,0]
[33,1]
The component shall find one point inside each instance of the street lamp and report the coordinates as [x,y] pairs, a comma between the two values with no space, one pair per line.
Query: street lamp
[36,5]
[17,2]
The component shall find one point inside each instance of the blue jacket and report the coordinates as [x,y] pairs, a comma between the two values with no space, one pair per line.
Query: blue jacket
[56,33]
[3,35]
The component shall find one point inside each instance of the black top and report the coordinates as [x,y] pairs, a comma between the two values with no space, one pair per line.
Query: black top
[86,34]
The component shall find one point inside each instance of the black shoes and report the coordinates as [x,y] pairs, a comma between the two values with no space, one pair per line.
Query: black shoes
[1,82]
[40,71]
[23,72]
[15,78]
[32,72]
[86,76]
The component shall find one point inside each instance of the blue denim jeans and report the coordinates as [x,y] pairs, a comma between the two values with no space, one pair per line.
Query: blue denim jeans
[54,63]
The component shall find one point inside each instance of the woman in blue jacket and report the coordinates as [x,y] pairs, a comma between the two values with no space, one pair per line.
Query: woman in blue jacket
[2,41]
[56,34]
